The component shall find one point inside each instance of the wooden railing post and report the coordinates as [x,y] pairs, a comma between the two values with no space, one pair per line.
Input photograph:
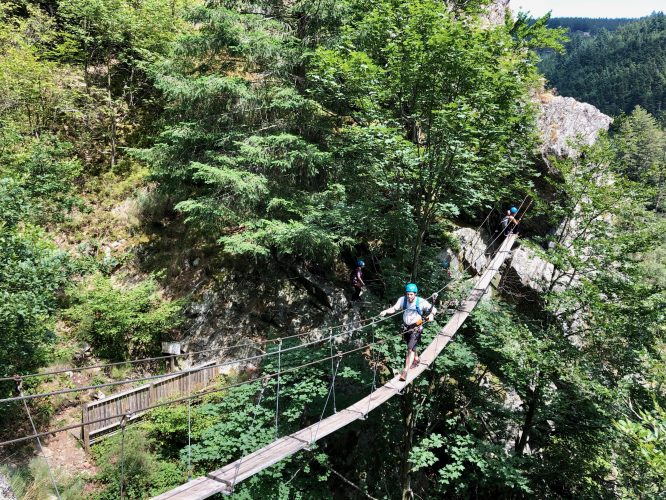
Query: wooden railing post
[152,394]
[85,429]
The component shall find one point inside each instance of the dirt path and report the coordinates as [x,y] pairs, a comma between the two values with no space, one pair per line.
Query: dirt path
[64,452]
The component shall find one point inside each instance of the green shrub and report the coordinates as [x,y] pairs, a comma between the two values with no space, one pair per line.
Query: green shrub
[121,322]
[32,271]
[33,482]
[132,462]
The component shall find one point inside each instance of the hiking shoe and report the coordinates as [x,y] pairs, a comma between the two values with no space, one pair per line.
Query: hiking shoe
[415,363]
[403,376]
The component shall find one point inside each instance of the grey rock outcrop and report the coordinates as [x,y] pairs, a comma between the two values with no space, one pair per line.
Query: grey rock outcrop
[564,119]
[243,310]
[527,274]
[495,12]
[473,248]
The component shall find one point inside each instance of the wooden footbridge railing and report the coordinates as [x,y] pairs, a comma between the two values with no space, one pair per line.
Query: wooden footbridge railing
[224,479]
[107,413]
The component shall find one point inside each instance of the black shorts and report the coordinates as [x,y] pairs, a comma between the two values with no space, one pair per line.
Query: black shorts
[412,335]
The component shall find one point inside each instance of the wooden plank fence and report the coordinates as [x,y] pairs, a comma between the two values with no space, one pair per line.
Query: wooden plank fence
[134,401]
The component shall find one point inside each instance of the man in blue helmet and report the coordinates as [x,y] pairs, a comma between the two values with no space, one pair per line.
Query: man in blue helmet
[509,222]
[357,280]
[412,322]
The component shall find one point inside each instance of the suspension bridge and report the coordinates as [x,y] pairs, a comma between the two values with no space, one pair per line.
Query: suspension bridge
[225,479]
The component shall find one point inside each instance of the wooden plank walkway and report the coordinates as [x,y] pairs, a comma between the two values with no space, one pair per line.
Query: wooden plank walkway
[223,480]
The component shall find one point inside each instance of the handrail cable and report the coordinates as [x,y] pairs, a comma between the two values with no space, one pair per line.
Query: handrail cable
[183,399]
[216,349]
[189,370]
[374,320]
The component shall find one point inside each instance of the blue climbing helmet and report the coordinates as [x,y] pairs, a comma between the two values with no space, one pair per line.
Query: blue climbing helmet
[514,210]
[360,263]
[411,287]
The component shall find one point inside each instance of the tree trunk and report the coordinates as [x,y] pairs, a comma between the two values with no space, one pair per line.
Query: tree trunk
[416,253]
[407,438]
[112,111]
[532,403]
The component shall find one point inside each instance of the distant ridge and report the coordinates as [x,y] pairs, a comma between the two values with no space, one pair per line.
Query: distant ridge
[613,70]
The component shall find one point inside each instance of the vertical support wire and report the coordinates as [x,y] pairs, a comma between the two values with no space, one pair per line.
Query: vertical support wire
[19,383]
[257,407]
[330,390]
[277,391]
[335,410]
[189,427]
[374,359]
[123,421]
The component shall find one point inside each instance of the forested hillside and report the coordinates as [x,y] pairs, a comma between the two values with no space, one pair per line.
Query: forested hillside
[613,70]
[591,26]
[210,173]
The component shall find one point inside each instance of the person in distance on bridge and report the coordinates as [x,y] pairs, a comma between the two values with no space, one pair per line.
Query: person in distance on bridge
[357,280]
[412,322]
[509,222]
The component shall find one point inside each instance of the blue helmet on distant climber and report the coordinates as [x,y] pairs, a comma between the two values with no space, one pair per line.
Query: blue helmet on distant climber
[514,210]
[360,263]
[411,288]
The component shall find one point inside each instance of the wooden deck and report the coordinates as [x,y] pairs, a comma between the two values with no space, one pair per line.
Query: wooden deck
[223,480]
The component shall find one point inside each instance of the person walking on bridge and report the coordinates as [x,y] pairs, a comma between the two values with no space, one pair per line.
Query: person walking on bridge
[412,322]
[357,280]
[509,222]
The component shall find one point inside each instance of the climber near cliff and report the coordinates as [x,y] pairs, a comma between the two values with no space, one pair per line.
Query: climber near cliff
[357,280]
[509,222]
[412,322]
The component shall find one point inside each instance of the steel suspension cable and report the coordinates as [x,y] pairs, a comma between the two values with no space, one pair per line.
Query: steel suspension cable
[330,390]
[182,399]
[254,418]
[195,353]
[333,376]
[123,422]
[277,392]
[39,441]
[191,370]
[189,429]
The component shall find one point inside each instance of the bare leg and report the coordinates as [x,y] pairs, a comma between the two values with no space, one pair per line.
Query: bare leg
[410,359]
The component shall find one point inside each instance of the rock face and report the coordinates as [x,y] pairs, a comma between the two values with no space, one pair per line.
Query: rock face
[473,248]
[496,11]
[242,309]
[527,275]
[563,119]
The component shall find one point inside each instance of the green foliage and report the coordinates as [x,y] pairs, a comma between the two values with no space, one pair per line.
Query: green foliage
[121,322]
[448,97]
[588,25]
[32,272]
[615,71]
[538,34]
[644,457]
[38,177]
[33,482]
[641,152]
[129,458]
